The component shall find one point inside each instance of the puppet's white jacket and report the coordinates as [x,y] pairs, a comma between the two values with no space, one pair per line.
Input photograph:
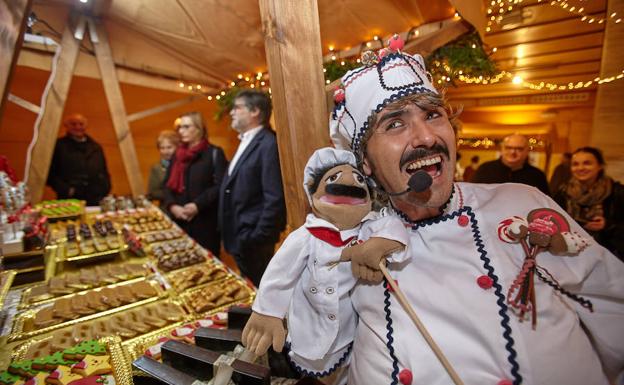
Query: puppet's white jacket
[301,283]
[479,333]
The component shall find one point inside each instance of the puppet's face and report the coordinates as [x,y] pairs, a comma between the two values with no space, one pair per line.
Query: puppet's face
[342,197]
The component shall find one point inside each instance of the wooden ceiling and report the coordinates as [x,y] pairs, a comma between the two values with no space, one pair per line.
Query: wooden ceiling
[542,42]
[211,41]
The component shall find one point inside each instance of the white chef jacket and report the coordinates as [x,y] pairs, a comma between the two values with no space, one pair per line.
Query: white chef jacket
[301,282]
[481,336]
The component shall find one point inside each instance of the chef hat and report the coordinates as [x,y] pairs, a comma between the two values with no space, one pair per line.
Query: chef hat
[386,76]
[323,159]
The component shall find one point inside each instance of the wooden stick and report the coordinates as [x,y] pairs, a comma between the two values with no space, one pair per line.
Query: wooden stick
[419,325]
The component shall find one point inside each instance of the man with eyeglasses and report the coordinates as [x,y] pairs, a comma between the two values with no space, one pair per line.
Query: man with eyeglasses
[512,166]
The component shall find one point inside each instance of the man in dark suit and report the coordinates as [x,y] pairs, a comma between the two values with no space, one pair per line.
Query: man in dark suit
[252,212]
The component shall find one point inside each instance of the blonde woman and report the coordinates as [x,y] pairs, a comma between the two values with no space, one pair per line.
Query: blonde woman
[167,143]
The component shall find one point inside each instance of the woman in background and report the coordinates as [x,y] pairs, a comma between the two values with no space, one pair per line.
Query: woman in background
[594,200]
[193,180]
[167,143]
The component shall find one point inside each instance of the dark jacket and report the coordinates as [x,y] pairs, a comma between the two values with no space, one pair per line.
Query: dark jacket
[252,210]
[495,171]
[80,165]
[612,236]
[202,180]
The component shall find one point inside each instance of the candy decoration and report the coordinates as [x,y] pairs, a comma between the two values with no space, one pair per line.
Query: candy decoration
[512,229]
[383,53]
[553,216]
[544,229]
[369,58]
[396,43]
[339,95]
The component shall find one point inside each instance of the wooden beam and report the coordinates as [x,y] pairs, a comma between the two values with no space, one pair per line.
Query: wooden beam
[47,124]
[161,108]
[24,104]
[12,28]
[429,43]
[117,109]
[293,49]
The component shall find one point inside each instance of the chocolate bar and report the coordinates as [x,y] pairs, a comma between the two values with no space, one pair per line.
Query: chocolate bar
[199,362]
[218,340]
[238,317]
[160,373]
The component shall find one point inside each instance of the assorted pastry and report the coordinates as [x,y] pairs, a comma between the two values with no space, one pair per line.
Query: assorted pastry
[60,208]
[85,278]
[166,235]
[100,237]
[93,301]
[217,295]
[87,363]
[196,275]
[176,254]
[126,325]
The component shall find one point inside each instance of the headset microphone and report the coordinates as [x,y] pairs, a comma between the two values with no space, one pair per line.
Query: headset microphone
[418,182]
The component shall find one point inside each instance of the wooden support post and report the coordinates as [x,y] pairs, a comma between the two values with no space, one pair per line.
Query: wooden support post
[50,120]
[293,49]
[12,27]
[116,106]
[608,114]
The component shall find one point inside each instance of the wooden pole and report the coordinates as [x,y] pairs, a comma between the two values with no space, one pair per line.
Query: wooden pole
[50,120]
[293,49]
[12,29]
[116,106]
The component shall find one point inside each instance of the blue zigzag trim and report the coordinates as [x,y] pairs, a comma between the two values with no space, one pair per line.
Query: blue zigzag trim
[584,302]
[395,361]
[306,373]
[498,291]
[406,60]
[360,133]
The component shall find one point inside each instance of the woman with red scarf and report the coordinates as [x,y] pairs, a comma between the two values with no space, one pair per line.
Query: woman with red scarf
[193,180]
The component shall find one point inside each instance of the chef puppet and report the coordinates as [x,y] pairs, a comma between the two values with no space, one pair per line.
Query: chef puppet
[307,283]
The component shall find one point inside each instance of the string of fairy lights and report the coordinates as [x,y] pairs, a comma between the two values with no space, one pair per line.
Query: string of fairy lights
[498,8]
[443,73]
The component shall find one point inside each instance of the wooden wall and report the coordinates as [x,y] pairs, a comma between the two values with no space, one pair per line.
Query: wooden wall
[86,96]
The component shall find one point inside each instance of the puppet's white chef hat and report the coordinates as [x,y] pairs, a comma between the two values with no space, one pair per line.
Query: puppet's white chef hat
[323,159]
[387,75]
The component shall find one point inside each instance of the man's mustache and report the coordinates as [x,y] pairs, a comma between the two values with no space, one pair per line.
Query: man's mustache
[422,152]
[346,190]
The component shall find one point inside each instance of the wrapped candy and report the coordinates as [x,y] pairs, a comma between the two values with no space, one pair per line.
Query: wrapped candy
[512,229]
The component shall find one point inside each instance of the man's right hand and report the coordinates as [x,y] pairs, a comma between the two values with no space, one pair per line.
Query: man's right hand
[178,212]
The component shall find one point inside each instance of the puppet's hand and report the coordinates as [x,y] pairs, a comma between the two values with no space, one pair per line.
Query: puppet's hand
[261,331]
[365,257]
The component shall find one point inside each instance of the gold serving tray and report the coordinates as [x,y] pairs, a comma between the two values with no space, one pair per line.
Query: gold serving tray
[26,293]
[122,369]
[61,256]
[16,345]
[18,332]
[6,280]
[210,263]
[187,296]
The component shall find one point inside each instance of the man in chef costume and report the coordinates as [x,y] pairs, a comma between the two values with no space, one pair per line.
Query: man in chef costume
[499,275]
